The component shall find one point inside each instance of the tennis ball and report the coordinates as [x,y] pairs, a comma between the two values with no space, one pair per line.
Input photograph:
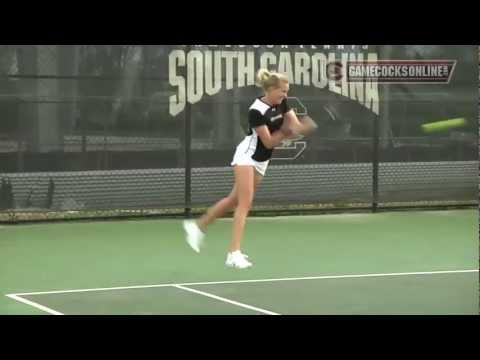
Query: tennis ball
[443,125]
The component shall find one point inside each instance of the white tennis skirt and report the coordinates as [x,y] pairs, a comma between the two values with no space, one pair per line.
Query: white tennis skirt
[243,155]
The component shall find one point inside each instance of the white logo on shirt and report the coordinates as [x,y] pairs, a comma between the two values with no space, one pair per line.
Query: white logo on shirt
[276,117]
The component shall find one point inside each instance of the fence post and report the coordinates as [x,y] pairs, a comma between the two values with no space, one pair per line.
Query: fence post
[375,164]
[188,143]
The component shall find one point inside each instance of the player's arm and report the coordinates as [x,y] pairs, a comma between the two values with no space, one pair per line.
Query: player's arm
[297,127]
[258,122]
[270,140]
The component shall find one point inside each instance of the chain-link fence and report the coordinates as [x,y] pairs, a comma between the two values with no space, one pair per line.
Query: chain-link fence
[93,131]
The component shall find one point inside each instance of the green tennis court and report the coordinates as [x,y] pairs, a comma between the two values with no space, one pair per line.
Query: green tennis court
[415,262]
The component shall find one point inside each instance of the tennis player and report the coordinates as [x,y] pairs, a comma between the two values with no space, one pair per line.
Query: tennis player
[271,121]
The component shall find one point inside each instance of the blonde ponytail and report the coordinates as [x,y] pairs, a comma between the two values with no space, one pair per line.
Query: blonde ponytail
[267,79]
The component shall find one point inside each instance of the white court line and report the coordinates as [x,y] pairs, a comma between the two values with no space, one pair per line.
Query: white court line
[226,300]
[34,304]
[249,281]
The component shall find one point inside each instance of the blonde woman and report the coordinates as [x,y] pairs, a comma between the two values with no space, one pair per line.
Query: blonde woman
[270,122]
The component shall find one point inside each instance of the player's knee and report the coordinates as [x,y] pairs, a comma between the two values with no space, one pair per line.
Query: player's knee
[232,201]
[245,201]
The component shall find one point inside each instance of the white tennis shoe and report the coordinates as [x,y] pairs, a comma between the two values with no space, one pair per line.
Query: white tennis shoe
[238,260]
[194,236]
